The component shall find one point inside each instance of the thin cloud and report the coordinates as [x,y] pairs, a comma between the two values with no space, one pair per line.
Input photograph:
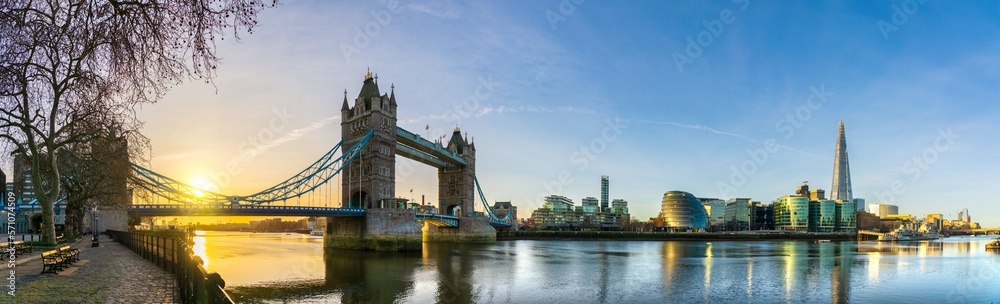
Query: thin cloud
[442,13]
[709,129]
[293,135]
[180,156]
[459,114]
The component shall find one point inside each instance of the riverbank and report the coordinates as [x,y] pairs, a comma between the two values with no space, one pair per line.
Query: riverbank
[107,274]
[663,236]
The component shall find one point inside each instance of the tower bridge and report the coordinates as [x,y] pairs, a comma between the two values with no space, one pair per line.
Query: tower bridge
[371,216]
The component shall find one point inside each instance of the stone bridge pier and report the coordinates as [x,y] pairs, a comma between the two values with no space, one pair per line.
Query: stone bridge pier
[379,230]
[469,230]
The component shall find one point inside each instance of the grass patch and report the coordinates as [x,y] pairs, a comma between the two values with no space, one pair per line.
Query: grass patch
[59,289]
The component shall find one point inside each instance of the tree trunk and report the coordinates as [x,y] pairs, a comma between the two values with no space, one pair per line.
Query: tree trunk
[47,196]
[74,218]
[69,230]
[48,219]
[79,220]
[73,221]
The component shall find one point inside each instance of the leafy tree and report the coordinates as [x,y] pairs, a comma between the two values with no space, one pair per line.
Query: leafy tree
[65,62]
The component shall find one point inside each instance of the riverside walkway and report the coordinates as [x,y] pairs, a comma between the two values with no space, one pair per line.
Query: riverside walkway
[107,274]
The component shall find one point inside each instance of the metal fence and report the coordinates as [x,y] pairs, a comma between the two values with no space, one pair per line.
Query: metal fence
[175,255]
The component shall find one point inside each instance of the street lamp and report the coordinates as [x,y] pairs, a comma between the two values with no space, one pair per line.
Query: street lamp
[94,241]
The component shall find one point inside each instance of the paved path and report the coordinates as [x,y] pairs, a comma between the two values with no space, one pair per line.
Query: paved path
[107,274]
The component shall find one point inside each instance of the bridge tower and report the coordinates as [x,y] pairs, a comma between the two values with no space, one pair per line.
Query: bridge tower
[369,181]
[456,188]
[370,177]
[456,184]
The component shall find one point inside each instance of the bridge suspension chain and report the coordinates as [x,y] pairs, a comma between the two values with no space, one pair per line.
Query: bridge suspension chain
[307,180]
[489,211]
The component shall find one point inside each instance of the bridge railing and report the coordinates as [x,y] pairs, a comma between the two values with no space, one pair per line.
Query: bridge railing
[196,285]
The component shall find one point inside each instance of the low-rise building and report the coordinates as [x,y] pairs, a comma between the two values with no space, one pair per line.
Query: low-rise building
[936,219]
[559,213]
[810,211]
[791,212]
[883,210]
[822,215]
[762,217]
[716,209]
[737,214]
[846,217]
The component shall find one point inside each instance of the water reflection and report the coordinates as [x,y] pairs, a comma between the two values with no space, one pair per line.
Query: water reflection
[369,277]
[640,272]
[791,271]
[843,262]
[679,273]
[199,248]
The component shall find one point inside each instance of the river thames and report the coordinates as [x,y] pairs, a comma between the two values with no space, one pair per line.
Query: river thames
[294,268]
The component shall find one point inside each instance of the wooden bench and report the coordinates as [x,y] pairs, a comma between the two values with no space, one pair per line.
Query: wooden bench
[69,254]
[21,246]
[52,261]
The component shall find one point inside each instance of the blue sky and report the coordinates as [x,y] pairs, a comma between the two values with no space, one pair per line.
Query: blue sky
[538,84]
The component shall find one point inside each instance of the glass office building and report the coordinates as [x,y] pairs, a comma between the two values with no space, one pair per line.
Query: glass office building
[737,214]
[822,215]
[682,211]
[791,213]
[847,217]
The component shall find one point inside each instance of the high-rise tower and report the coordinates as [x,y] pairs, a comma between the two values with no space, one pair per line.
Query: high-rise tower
[841,189]
[604,192]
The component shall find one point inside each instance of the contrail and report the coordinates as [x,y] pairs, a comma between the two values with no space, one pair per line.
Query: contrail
[487,110]
[292,135]
[709,129]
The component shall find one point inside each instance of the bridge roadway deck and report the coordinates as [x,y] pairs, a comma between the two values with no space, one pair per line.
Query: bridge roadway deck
[209,210]
[258,210]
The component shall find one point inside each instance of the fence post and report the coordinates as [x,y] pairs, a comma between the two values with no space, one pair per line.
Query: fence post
[159,253]
[195,284]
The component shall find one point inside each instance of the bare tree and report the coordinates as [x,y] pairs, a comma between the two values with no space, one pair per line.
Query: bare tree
[96,173]
[67,61]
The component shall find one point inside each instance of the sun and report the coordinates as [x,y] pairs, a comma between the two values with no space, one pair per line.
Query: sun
[201,185]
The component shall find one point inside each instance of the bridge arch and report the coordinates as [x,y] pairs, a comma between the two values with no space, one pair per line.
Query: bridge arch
[359,199]
[453,210]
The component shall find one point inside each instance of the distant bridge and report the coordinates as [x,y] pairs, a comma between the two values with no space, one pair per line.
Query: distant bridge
[866,235]
[981,231]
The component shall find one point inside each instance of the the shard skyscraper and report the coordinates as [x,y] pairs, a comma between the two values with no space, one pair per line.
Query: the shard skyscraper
[841,189]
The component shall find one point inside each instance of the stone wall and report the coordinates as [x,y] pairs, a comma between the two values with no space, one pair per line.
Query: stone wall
[469,230]
[378,230]
[107,219]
